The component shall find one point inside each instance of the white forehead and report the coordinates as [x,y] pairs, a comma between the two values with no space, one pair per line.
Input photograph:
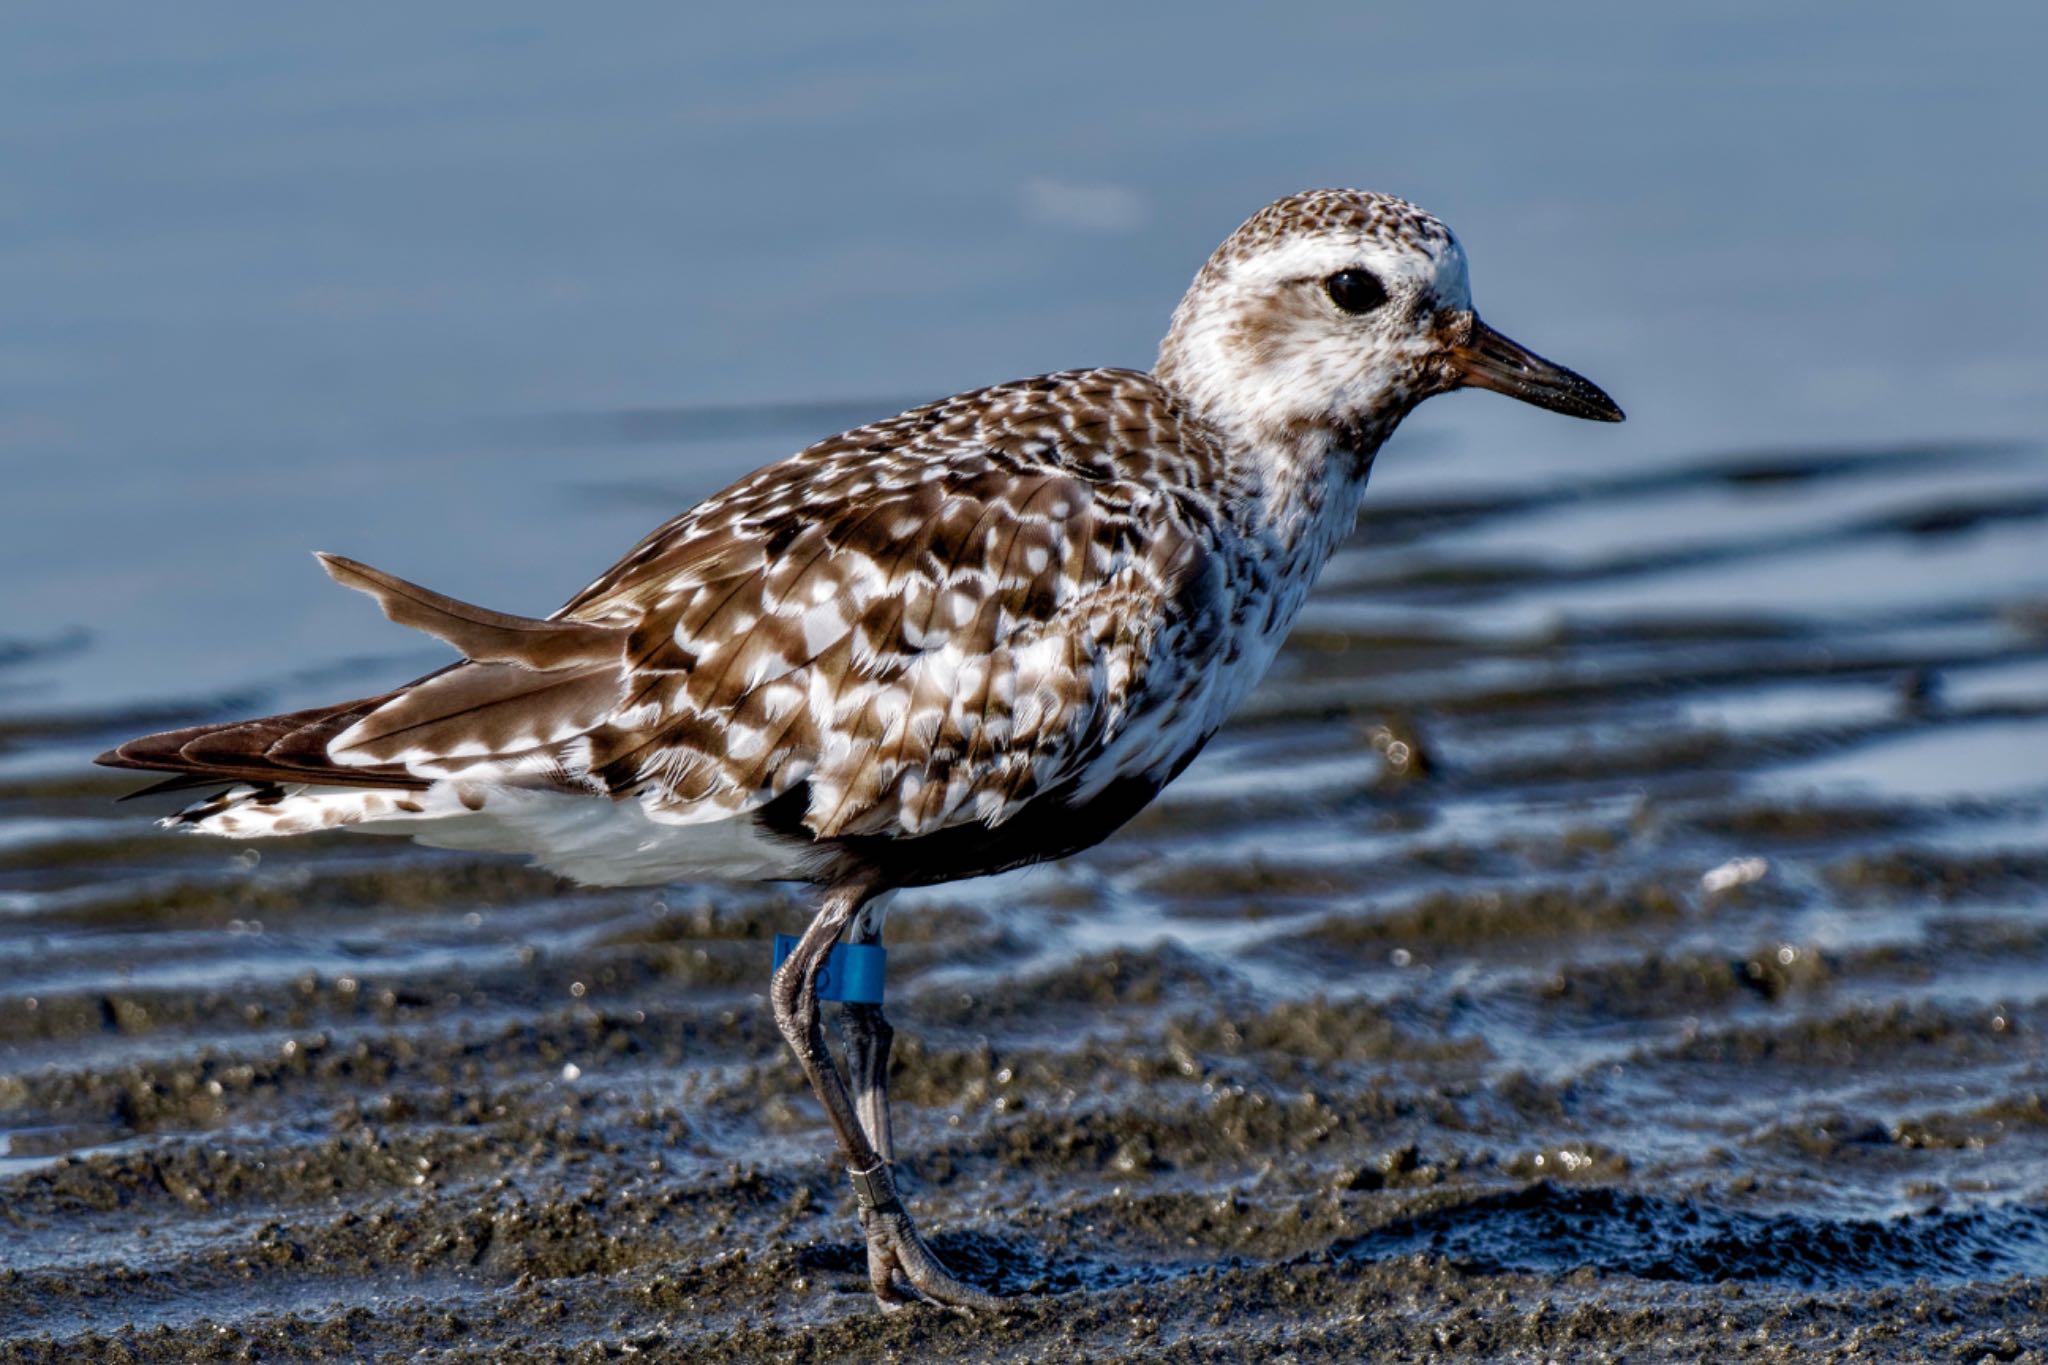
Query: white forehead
[1432,264]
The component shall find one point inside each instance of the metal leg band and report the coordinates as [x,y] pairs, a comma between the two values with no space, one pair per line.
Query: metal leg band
[874,1187]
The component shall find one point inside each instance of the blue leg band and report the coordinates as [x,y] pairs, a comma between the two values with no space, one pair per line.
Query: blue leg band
[852,974]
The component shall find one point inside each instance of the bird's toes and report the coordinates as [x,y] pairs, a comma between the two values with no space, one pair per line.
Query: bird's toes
[938,1286]
[903,1271]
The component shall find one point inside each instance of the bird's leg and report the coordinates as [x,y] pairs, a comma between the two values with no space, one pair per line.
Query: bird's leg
[894,1247]
[866,1033]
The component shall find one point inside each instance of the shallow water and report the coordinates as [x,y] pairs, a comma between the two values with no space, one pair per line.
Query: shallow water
[1618,925]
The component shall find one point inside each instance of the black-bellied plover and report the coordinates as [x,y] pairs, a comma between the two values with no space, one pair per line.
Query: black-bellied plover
[980,634]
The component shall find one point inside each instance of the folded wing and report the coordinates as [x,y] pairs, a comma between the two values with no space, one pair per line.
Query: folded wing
[915,623]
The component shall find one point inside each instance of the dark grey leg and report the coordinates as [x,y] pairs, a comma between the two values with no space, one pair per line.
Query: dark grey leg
[866,1033]
[894,1248]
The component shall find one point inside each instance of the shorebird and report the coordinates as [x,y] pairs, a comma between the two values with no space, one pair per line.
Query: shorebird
[981,634]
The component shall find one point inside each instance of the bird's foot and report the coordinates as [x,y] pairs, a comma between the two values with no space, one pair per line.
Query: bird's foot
[901,1269]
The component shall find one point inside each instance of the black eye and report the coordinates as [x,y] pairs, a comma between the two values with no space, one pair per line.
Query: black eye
[1356,291]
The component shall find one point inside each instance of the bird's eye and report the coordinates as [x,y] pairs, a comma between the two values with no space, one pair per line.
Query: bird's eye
[1356,291]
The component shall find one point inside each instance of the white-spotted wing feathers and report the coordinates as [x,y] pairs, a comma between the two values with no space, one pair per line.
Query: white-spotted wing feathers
[928,621]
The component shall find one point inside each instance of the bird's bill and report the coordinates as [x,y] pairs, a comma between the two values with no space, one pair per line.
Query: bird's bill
[1488,360]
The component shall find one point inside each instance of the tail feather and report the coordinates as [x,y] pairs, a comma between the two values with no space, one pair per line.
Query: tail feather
[179,783]
[483,635]
[509,660]
[268,749]
[296,747]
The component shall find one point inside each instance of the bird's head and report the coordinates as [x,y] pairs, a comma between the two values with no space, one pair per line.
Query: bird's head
[1335,312]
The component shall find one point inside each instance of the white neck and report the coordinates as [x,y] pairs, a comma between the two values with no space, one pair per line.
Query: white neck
[1298,484]
[1311,489]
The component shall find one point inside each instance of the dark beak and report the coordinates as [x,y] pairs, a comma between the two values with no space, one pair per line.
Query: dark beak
[1488,360]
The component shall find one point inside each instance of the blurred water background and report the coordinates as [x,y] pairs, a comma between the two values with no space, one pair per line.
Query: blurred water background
[1636,868]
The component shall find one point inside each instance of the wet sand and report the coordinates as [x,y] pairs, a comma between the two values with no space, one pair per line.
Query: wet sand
[1616,931]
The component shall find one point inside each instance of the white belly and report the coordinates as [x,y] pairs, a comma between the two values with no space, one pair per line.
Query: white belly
[587,839]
